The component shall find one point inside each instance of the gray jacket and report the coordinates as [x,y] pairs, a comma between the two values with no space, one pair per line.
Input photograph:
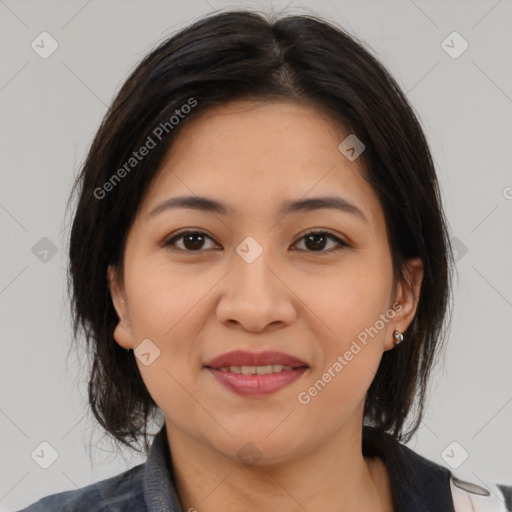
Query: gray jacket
[418,485]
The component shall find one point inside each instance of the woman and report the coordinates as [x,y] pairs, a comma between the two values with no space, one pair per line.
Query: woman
[259,252]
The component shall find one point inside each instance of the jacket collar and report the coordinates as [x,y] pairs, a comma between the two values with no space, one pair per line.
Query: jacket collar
[418,485]
[158,483]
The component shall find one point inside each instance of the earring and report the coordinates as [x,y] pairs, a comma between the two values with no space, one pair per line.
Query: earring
[399,337]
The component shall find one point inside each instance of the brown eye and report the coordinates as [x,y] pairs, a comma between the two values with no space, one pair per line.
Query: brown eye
[192,241]
[316,241]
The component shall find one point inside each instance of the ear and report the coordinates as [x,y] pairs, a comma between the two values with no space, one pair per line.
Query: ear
[122,332]
[406,299]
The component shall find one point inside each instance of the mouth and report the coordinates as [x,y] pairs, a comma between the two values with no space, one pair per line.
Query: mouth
[255,370]
[250,374]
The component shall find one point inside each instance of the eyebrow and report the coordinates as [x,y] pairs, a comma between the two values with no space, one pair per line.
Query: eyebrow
[206,204]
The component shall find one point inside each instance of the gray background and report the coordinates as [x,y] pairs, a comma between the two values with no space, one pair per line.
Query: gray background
[50,110]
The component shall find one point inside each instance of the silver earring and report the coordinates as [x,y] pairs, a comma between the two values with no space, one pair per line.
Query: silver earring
[398,336]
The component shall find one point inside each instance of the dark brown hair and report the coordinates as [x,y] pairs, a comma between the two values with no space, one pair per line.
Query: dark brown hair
[244,55]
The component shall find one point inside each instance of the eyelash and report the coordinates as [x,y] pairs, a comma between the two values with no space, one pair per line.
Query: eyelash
[171,240]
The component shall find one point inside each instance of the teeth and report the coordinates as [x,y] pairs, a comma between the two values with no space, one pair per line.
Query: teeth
[264,370]
[256,370]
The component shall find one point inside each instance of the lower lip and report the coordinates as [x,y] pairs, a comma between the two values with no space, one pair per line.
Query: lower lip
[257,385]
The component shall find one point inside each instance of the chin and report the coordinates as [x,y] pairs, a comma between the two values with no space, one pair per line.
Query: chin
[260,451]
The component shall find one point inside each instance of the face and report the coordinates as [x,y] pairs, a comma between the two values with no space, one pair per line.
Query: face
[314,284]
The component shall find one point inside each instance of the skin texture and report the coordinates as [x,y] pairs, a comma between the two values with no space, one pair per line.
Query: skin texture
[309,303]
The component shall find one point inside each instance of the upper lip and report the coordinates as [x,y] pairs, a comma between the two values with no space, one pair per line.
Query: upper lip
[243,358]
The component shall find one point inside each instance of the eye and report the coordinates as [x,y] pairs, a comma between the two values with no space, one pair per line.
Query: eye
[193,241]
[316,240]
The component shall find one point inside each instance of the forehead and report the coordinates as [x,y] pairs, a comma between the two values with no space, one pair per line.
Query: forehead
[251,154]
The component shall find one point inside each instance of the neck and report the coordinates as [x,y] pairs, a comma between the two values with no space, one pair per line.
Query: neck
[334,476]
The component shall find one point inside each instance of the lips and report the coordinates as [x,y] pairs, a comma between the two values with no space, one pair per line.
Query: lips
[256,374]
[243,358]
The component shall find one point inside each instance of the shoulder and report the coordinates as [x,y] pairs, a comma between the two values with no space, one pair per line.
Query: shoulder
[461,490]
[120,493]
[420,484]
[494,497]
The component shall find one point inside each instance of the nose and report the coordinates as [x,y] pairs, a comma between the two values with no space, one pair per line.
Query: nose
[256,295]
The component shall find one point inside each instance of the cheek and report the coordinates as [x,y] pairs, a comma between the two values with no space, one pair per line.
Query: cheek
[353,297]
[167,309]
[352,346]
[353,306]
[336,394]
[162,300]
